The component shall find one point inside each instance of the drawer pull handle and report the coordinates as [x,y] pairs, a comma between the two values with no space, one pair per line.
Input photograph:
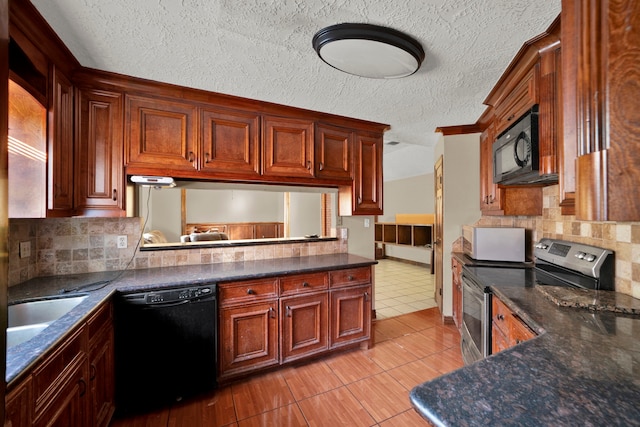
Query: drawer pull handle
[366,296]
[206,158]
[92,372]
[272,313]
[251,292]
[115,195]
[500,317]
[288,311]
[308,164]
[349,277]
[305,285]
[191,156]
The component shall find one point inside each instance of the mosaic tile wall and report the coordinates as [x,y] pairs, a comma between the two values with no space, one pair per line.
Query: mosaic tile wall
[621,237]
[83,245]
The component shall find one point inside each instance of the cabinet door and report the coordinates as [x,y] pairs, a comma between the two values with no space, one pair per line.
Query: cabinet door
[304,329]
[287,147]
[334,147]
[60,150]
[230,142]
[490,194]
[99,151]
[522,96]
[248,338]
[18,405]
[456,270]
[159,134]
[367,184]
[350,320]
[69,406]
[101,378]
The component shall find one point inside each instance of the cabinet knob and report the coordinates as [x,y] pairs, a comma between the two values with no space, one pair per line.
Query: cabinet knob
[500,317]
[206,157]
[251,292]
[272,313]
[510,117]
[359,200]
[366,296]
[321,166]
[349,277]
[288,311]
[191,156]
[309,164]
[115,195]
[305,285]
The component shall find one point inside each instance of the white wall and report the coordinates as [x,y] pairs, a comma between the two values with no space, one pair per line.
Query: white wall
[234,206]
[461,201]
[360,238]
[408,196]
[305,214]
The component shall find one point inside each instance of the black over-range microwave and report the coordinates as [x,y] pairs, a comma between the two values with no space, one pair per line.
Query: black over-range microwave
[516,158]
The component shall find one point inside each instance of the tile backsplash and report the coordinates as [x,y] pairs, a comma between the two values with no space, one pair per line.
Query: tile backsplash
[83,245]
[621,237]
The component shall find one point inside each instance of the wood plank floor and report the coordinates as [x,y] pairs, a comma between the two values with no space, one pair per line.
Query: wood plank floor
[354,388]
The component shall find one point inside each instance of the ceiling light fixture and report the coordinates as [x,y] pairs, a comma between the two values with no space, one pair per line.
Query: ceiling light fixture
[369,50]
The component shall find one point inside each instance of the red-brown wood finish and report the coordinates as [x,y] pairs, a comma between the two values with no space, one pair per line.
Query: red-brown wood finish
[334,148]
[160,134]
[456,271]
[605,37]
[490,194]
[367,183]
[508,329]
[60,146]
[101,366]
[230,142]
[287,147]
[350,315]
[303,325]
[99,178]
[19,404]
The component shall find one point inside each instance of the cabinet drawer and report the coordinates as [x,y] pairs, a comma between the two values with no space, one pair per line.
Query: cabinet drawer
[247,291]
[51,374]
[350,277]
[519,331]
[102,318]
[500,315]
[523,96]
[302,283]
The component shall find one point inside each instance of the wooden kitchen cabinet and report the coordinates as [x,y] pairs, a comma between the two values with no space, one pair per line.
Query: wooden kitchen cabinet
[601,119]
[18,406]
[99,176]
[364,197]
[160,135]
[456,271]
[350,315]
[520,95]
[490,194]
[334,152]
[60,199]
[230,142]
[287,147]
[60,385]
[101,366]
[278,320]
[507,329]
[303,325]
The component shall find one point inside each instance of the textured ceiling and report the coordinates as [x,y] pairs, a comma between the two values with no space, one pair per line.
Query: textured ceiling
[261,49]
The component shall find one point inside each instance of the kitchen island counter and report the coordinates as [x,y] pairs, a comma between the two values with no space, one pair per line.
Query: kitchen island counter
[582,369]
[99,287]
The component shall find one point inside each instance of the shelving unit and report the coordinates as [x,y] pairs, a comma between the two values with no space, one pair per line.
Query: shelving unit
[412,230]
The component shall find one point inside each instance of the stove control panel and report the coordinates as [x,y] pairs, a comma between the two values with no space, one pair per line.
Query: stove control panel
[584,259]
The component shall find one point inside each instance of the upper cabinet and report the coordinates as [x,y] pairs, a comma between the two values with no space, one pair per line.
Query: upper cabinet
[333,152]
[99,176]
[600,156]
[230,142]
[367,183]
[287,147]
[160,134]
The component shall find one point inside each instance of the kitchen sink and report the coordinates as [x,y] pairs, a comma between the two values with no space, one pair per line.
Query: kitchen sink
[28,319]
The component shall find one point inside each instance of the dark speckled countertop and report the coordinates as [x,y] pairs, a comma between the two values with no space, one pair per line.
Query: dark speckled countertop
[582,370]
[101,286]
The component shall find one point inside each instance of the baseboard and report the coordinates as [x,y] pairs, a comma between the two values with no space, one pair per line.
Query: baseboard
[407,261]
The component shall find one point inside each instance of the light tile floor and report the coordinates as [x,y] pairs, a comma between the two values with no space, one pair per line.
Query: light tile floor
[402,288]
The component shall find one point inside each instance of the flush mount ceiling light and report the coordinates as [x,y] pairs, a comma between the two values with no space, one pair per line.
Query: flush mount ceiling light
[368,50]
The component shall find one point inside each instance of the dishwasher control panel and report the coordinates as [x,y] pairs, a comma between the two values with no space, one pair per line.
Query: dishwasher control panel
[176,295]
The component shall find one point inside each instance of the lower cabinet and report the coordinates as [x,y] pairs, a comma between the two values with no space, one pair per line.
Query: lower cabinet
[507,329]
[273,321]
[456,271]
[73,385]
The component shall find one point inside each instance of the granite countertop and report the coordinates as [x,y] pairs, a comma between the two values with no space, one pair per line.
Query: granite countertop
[99,287]
[583,369]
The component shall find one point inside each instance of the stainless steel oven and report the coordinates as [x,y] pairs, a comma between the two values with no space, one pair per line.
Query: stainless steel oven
[476,320]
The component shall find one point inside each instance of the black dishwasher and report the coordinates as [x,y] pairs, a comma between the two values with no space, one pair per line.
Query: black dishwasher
[165,346]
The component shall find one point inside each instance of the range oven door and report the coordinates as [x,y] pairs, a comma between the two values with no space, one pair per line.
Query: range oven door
[476,321]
